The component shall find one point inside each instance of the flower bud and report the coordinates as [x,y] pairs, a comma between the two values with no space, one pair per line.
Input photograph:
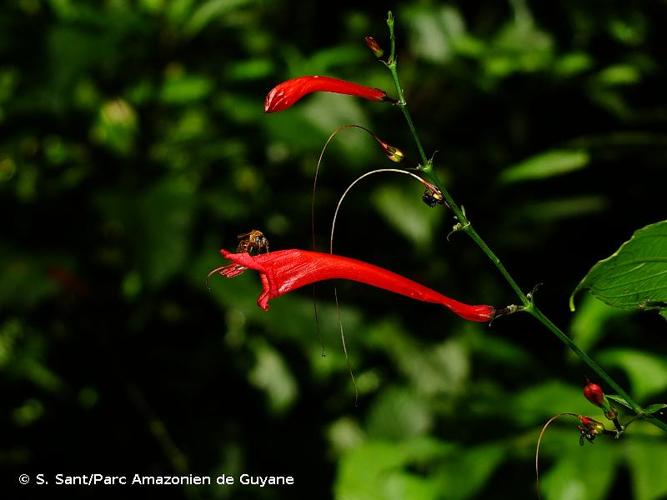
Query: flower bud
[372,44]
[589,429]
[595,395]
[611,414]
[591,424]
[432,195]
[392,152]
[587,421]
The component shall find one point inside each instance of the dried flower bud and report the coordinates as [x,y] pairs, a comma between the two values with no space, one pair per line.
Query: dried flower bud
[591,424]
[611,413]
[372,44]
[433,196]
[595,395]
[392,152]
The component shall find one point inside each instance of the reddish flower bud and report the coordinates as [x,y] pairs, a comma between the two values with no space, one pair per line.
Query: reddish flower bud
[372,44]
[286,270]
[285,94]
[595,394]
[587,421]
[590,429]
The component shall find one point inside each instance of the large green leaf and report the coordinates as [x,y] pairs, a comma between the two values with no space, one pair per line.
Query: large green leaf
[635,276]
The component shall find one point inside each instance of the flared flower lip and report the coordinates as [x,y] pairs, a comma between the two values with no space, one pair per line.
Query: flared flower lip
[286,270]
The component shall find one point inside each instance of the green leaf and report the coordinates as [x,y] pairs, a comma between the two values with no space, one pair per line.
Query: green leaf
[548,164]
[213,10]
[619,74]
[518,47]
[376,470]
[635,276]
[650,409]
[436,34]
[250,69]
[402,208]
[326,60]
[272,375]
[572,63]
[379,469]
[410,415]
[557,209]
[541,401]
[647,373]
[184,89]
[618,399]
[498,350]
[467,471]
[588,324]
[116,126]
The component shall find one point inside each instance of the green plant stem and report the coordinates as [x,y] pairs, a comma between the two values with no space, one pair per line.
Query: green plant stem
[542,318]
[402,104]
[464,225]
[427,169]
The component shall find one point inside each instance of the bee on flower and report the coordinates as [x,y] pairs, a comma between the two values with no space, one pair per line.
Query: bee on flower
[253,242]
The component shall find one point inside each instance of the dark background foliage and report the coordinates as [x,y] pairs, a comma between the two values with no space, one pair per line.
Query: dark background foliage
[133,146]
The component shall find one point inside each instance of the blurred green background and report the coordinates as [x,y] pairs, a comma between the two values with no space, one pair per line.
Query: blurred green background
[133,145]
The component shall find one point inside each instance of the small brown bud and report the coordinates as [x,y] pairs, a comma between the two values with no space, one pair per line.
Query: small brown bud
[393,153]
[374,46]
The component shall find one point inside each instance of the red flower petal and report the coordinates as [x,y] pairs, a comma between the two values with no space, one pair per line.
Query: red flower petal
[286,270]
[285,94]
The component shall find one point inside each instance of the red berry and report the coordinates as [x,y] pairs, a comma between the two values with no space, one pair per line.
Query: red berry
[594,394]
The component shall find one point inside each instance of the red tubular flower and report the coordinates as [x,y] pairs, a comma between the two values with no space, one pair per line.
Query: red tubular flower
[285,94]
[286,270]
